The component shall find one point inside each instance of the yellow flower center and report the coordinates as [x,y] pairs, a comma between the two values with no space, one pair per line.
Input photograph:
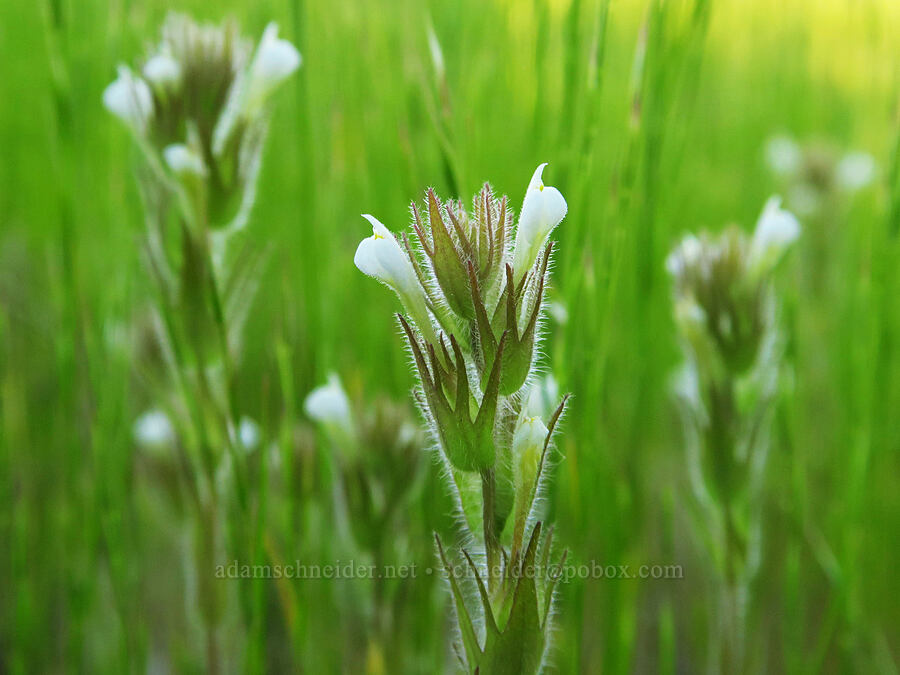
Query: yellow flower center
[376,236]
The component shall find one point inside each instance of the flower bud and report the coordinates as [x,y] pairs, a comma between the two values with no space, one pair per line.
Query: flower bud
[129,98]
[528,445]
[542,210]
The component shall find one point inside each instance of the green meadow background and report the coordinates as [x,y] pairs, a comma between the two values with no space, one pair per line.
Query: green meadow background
[653,116]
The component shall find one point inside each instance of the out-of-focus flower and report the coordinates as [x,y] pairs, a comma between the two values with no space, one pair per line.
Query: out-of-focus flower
[184,161]
[201,92]
[813,175]
[248,433]
[723,298]
[783,155]
[275,60]
[685,256]
[543,209]
[329,404]
[162,71]
[129,98]
[776,229]
[855,170]
[153,429]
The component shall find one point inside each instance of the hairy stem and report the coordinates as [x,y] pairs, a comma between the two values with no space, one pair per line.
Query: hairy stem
[491,538]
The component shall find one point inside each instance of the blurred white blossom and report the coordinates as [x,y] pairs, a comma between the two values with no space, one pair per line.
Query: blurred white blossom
[855,170]
[783,155]
[329,405]
[776,229]
[248,433]
[153,429]
[129,98]
[183,160]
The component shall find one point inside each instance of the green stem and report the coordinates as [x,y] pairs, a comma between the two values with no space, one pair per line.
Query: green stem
[491,538]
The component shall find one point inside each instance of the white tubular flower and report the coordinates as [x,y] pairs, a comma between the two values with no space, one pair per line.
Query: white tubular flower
[184,161]
[783,155]
[542,210]
[330,406]
[855,170]
[776,229]
[275,60]
[163,72]
[528,445]
[381,257]
[153,429]
[129,98]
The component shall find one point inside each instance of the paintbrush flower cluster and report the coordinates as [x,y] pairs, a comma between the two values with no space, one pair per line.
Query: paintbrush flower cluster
[198,109]
[726,312]
[473,289]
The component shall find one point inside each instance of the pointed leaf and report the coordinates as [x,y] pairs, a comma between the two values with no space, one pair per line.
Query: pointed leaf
[466,629]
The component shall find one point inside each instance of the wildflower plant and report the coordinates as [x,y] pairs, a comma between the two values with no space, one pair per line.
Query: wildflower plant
[473,286]
[198,109]
[726,312]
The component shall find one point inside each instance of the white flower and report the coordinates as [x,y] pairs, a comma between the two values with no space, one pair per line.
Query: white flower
[329,405]
[542,210]
[153,429]
[855,170]
[183,160]
[380,256]
[686,255]
[129,98]
[528,446]
[248,433]
[275,60]
[775,231]
[783,155]
[162,71]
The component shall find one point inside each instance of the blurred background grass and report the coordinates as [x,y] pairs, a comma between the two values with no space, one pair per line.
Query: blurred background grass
[653,117]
